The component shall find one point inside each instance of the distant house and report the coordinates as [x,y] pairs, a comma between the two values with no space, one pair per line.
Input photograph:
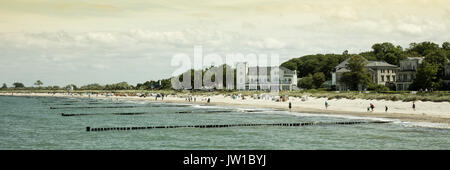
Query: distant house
[382,73]
[260,78]
[407,73]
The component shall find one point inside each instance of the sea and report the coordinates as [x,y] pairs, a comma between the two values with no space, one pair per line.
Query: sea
[60,123]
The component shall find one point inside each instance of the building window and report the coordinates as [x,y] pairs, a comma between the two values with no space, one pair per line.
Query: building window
[388,78]
[393,78]
[382,78]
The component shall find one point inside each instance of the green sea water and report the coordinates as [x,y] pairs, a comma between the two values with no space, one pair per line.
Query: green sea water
[29,123]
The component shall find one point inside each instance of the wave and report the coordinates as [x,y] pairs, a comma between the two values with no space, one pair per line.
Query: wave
[395,121]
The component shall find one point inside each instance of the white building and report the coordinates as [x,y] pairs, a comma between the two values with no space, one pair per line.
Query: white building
[265,78]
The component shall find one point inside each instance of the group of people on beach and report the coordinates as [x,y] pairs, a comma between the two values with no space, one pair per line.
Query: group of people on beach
[371,107]
[190,98]
[194,99]
[159,95]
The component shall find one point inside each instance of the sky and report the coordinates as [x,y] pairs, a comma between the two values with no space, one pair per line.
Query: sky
[109,41]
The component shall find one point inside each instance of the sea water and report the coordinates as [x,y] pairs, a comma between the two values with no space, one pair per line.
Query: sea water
[30,123]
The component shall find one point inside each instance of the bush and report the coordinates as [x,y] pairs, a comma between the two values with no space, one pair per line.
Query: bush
[377,87]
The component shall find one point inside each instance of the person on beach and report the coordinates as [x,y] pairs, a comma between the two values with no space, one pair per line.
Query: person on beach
[290,106]
[326,104]
[414,106]
[372,106]
[386,108]
[209,100]
[368,108]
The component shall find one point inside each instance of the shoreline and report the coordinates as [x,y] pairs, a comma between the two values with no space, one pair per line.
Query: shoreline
[427,112]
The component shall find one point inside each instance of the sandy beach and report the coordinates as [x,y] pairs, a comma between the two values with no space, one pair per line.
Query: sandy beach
[427,112]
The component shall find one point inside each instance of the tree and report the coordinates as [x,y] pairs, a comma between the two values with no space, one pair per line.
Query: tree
[306,82]
[18,85]
[166,84]
[71,86]
[38,83]
[345,52]
[55,87]
[422,49]
[377,87]
[318,79]
[358,75]
[439,59]
[290,65]
[311,64]
[426,77]
[446,46]
[388,52]
[4,86]
[94,86]
[118,86]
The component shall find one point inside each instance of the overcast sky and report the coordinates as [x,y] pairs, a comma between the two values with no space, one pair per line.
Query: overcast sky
[107,41]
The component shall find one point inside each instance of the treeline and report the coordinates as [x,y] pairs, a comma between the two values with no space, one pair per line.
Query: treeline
[149,85]
[431,75]
[223,69]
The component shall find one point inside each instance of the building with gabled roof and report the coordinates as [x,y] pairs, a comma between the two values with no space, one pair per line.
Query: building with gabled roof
[382,73]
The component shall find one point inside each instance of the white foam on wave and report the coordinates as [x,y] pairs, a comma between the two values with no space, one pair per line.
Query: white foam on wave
[424,124]
[178,104]
[254,110]
[395,121]
[136,102]
[207,107]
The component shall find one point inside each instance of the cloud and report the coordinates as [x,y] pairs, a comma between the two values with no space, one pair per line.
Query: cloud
[268,43]
[135,40]
[410,28]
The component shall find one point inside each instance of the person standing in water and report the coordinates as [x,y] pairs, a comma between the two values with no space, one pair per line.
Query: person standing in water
[290,106]
[414,106]
[386,108]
